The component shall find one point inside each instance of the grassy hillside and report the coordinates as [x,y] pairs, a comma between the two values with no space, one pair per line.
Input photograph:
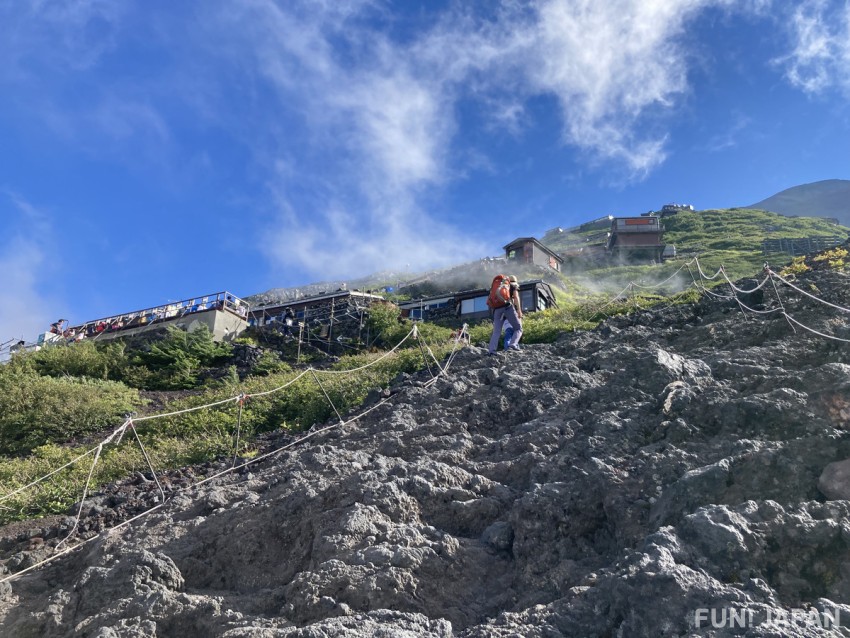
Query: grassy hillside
[731,237]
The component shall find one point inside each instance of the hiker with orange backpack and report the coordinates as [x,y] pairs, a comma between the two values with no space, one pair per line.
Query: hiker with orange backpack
[506,306]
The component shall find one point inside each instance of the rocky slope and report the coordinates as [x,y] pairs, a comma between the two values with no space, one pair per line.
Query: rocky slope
[640,479]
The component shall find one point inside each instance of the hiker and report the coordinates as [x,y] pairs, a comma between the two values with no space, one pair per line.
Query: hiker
[58,327]
[509,332]
[504,300]
[288,321]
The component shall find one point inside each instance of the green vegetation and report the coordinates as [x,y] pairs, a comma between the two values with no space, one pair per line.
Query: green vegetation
[52,399]
[36,409]
[42,413]
[728,237]
[835,258]
[174,362]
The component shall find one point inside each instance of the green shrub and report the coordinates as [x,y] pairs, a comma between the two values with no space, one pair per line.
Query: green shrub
[82,359]
[35,410]
[385,325]
[176,359]
[270,363]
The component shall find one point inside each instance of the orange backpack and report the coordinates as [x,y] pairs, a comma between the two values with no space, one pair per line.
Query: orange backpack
[500,292]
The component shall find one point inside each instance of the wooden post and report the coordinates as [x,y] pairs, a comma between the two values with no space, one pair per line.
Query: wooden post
[331,328]
[300,334]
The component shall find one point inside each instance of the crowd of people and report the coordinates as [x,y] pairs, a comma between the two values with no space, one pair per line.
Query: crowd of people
[146,317]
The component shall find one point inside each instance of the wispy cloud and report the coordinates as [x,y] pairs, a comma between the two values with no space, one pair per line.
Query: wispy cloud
[386,109]
[26,309]
[352,117]
[732,136]
[43,36]
[820,58]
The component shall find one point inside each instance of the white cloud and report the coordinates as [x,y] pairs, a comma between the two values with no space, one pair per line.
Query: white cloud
[821,46]
[365,117]
[46,35]
[386,109]
[26,310]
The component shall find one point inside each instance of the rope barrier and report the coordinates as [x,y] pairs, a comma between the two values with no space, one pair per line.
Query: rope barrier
[121,428]
[813,331]
[119,432]
[781,305]
[148,459]
[808,294]
[83,501]
[702,273]
[327,396]
[242,398]
[661,283]
[233,468]
[46,476]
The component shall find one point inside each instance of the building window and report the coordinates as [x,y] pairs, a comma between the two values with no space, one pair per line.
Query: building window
[476,304]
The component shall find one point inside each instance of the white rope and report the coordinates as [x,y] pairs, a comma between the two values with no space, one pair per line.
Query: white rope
[327,396]
[813,331]
[192,409]
[205,480]
[119,431]
[371,363]
[808,294]
[83,501]
[661,283]
[781,305]
[46,476]
[702,273]
[615,297]
[280,387]
[256,459]
[741,290]
[184,411]
[428,348]
[147,458]
[70,549]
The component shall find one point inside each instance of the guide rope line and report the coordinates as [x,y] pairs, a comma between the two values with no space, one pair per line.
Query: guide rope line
[208,479]
[661,283]
[119,432]
[83,500]
[781,305]
[327,396]
[702,273]
[425,358]
[371,363]
[457,341]
[148,459]
[286,447]
[813,331]
[241,403]
[734,287]
[808,294]
[46,476]
[771,276]
[194,409]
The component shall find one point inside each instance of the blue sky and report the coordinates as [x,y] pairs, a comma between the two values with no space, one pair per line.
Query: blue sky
[153,151]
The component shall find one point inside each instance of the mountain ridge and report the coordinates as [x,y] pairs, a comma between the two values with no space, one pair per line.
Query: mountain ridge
[824,198]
